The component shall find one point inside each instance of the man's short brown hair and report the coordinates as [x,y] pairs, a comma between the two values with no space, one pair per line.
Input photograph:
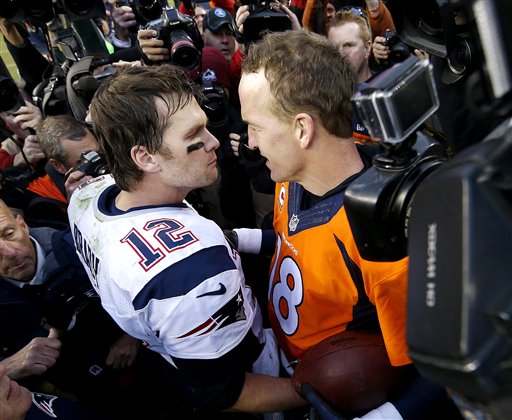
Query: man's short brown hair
[124,114]
[306,73]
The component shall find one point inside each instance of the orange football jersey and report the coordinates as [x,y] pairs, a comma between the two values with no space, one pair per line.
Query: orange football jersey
[320,285]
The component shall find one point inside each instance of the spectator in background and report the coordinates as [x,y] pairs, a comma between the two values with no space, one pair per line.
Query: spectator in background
[199,14]
[352,36]
[218,27]
[62,139]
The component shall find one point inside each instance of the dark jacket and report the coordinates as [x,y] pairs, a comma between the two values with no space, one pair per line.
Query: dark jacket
[66,301]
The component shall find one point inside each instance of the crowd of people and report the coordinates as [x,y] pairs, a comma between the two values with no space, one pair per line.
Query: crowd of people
[157,264]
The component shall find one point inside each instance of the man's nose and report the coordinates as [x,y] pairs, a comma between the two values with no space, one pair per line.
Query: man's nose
[212,143]
[251,143]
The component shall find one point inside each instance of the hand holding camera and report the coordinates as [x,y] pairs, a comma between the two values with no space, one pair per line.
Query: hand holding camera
[151,46]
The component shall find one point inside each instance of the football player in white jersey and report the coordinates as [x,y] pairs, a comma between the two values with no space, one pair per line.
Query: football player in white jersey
[164,273]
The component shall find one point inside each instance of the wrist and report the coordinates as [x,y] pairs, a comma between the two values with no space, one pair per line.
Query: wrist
[249,240]
[385,412]
[120,41]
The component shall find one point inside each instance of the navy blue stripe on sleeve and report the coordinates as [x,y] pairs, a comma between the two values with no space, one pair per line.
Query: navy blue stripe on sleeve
[183,276]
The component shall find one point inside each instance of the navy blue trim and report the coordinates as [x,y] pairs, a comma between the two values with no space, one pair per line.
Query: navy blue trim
[183,276]
[364,313]
[107,203]
[318,214]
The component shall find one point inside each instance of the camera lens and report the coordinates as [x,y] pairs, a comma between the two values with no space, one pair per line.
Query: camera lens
[183,52]
[460,57]
[399,52]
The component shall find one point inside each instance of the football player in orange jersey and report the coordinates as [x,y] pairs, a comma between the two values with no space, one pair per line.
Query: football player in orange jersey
[295,94]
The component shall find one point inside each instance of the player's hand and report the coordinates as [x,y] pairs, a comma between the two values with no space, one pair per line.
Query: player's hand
[380,51]
[123,352]
[15,400]
[35,358]
[74,179]
[28,116]
[32,149]
[152,47]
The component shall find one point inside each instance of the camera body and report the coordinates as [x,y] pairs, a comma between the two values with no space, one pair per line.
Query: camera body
[398,50]
[215,102]
[182,37]
[93,164]
[263,19]
[144,10]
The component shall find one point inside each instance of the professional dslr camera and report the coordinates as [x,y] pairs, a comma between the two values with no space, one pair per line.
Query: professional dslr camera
[93,164]
[181,36]
[144,10]
[398,50]
[452,215]
[263,19]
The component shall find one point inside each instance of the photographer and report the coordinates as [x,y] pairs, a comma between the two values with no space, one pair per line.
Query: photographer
[63,140]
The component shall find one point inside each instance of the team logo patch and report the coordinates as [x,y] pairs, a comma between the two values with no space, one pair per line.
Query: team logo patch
[45,403]
[282,196]
[95,370]
[294,221]
[233,311]
[219,12]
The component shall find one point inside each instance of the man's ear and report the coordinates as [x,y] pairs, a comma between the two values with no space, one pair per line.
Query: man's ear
[143,159]
[304,129]
[58,166]
[21,221]
[368,49]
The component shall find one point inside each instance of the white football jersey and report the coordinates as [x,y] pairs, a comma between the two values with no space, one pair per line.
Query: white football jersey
[165,274]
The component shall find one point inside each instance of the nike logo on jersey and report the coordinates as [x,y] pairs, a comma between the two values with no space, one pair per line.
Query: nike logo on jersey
[220,291]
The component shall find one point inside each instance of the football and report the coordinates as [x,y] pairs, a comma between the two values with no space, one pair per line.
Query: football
[350,370]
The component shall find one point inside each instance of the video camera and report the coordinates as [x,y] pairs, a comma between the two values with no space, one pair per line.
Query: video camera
[182,37]
[451,215]
[263,19]
[71,85]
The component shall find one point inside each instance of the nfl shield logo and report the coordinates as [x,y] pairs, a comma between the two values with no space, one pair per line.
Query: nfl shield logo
[294,221]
